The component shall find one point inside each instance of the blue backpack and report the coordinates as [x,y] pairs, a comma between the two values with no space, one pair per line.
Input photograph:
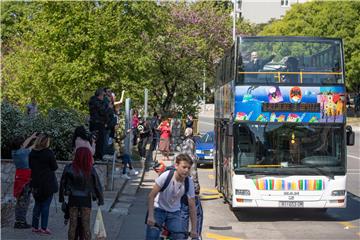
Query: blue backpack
[184,198]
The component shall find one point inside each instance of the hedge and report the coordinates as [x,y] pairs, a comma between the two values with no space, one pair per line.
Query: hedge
[58,123]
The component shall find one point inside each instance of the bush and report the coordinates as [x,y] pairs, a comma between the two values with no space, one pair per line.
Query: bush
[58,123]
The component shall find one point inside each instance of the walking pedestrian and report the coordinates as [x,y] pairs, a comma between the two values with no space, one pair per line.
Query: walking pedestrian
[189,121]
[164,201]
[43,181]
[80,182]
[127,163]
[126,158]
[20,155]
[188,147]
[165,133]
[98,120]
[145,138]
[175,131]
[156,134]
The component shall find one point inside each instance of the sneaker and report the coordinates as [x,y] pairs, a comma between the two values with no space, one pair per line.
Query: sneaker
[133,172]
[125,176]
[45,231]
[35,230]
[21,225]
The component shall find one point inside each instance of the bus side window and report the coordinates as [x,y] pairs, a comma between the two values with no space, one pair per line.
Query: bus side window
[245,146]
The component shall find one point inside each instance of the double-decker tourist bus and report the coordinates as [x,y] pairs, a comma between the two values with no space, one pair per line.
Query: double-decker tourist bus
[280,134]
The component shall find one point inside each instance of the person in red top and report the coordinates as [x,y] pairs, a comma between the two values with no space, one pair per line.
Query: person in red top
[20,154]
[165,133]
[134,124]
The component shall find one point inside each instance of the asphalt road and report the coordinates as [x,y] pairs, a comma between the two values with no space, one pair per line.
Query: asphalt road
[281,223]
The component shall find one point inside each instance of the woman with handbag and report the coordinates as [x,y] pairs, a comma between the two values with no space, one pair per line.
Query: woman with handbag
[81,183]
[43,184]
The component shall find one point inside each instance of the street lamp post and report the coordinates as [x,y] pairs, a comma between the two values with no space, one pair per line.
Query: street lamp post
[234,34]
[204,90]
[234,21]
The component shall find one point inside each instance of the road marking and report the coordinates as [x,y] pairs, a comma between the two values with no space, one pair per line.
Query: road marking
[210,197]
[212,190]
[352,156]
[205,123]
[220,237]
[211,176]
[347,224]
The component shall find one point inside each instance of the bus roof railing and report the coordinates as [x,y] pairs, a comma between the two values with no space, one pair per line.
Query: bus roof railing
[278,74]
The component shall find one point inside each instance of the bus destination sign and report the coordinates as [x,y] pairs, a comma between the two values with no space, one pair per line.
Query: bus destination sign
[290,107]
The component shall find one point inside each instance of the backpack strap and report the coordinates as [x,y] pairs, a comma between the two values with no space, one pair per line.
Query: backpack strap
[186,185]
[184,198]
[167,181]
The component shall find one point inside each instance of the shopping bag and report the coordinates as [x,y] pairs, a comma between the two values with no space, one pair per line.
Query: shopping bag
[99,228]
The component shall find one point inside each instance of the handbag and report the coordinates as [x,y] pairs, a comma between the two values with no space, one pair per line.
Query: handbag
[99,227]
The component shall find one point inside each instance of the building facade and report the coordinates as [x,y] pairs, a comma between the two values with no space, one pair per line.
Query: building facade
[261,11]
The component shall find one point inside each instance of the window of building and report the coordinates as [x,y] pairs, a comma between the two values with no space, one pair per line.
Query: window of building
[284,3]
[238,5]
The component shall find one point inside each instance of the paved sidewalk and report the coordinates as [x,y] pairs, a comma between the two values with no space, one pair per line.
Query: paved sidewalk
[119,220]
[133,226]
[112,219]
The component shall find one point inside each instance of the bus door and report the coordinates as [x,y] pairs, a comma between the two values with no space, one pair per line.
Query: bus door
[217,154]
[227,159]
[230,158]
[223,158]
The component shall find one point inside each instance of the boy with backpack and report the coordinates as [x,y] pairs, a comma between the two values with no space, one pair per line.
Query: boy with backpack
[164,201]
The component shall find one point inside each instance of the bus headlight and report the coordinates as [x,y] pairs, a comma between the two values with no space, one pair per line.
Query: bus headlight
[198,151]
[338,193]
[243,192]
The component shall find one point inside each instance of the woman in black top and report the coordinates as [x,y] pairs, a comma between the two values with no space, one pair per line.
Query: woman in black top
[81,183]
[43,181]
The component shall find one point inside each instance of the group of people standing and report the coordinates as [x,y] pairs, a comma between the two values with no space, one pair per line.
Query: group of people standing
[80,185]
[35,175]
[103,111]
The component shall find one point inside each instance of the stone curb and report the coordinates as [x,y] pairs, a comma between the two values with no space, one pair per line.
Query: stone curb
[123,189]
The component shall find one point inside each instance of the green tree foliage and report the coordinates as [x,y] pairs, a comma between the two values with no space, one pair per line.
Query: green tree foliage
[74,48]
[60,52]
[326,19]
[192,39]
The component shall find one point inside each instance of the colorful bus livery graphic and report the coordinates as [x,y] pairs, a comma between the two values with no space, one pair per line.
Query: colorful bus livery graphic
[295,185]
[290,104]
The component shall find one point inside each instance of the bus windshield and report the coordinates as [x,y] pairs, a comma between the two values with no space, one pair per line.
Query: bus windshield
[286,60]
[289,148]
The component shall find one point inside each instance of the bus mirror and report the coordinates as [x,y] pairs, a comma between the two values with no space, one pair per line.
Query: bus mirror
[350,136]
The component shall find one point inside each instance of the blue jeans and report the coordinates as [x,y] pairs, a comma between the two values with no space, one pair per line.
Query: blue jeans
[22,204]
[126,162]
[41,209]
[185,215]
[171,221]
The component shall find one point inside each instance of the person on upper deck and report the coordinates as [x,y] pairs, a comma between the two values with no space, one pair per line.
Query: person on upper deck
[257,63]
[292,67]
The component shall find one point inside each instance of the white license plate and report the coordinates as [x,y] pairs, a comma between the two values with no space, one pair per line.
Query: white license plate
[208,157]
[294,204]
